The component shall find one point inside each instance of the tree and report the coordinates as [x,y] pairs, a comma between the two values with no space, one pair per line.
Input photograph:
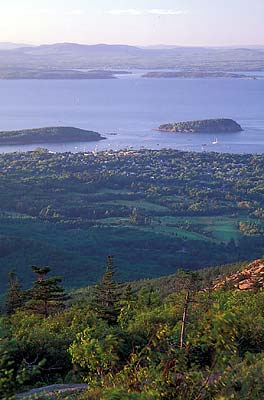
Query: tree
[13,371]
[106,301]
[47,296]
[191,283]
[15,295]
[97,351]
[127,306]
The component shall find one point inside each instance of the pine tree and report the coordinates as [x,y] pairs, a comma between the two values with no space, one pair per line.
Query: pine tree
[191,283]
[128,293]
[15,295]
[47,296]
[106,297]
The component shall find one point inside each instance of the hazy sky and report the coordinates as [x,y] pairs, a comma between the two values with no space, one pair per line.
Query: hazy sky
[142,22]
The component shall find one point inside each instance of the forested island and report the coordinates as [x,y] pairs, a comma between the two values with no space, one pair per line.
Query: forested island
[51,73]
[196,74]
[220,125]
[58,134]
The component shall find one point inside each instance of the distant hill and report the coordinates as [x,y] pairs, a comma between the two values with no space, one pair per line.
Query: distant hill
[103,56]
[75,48]
[12,46]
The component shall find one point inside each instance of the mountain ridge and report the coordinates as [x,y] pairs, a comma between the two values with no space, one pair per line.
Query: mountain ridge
[119,56]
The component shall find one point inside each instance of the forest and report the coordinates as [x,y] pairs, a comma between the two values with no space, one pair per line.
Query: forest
[155,211]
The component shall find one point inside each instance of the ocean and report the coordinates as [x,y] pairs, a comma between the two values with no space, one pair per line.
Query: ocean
[128,110]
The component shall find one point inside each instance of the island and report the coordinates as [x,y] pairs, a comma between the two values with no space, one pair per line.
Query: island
[59,74]
[58,134]
[220,125]
[197,75]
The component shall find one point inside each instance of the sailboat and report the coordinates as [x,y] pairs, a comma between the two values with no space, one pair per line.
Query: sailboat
[215,141]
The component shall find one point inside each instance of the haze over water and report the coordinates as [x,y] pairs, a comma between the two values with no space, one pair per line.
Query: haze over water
[132,107]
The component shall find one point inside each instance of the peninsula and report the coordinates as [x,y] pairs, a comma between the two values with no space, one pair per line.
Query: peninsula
[57,134]
[220,125]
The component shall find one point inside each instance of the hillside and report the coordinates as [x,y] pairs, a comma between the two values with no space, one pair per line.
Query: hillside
[220,125]
[59,134]
[141,345]
[169,284]
[155,211]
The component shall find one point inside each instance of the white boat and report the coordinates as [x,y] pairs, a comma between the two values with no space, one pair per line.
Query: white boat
[215,141]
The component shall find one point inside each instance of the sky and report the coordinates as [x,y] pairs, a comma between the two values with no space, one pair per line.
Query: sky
[137,22]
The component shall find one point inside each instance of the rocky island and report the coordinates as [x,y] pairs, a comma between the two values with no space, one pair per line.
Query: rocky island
[57,134]
[220,125]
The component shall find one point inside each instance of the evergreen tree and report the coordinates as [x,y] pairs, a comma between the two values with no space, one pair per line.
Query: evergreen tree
[15,295]
[106,297]
[128,294]
[47,296]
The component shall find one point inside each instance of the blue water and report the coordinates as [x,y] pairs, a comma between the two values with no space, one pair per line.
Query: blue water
[132,107]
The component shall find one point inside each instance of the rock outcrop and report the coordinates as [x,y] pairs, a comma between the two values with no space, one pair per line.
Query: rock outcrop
[251,278]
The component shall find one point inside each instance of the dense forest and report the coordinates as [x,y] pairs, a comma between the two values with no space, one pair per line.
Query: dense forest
[198,338]
[156,211]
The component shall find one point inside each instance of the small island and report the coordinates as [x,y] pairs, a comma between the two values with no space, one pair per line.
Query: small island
[220,125]
[57,134]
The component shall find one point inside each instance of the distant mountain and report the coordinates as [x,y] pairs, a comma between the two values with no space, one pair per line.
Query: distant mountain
[75,48]
[69,56]
[12,46]
[201,48]
[161,46]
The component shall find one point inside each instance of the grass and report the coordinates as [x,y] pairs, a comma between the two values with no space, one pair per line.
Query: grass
[222,230]
[219,229]
[139,204]
[211,228]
